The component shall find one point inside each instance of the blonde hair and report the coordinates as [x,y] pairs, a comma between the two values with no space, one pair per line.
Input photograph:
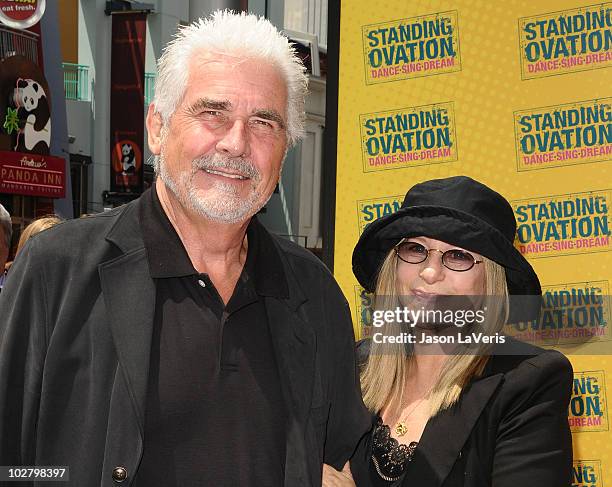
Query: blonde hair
[7,225]
[35,227]
[384,376]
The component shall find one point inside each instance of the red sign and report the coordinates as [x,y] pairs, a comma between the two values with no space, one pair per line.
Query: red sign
[127,102]
[32,174]
[21,14]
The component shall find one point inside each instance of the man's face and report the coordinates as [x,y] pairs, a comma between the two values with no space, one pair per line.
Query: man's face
[222,151]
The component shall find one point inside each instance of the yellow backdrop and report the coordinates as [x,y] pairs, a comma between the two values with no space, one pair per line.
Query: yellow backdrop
[516,94]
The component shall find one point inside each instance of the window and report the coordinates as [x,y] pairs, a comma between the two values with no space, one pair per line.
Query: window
[308,16]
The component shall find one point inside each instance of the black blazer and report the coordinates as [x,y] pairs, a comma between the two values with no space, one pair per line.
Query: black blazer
[75,337]
[509,428]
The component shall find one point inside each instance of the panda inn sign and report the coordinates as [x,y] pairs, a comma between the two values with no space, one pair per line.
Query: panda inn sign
[26,166]
[32,175]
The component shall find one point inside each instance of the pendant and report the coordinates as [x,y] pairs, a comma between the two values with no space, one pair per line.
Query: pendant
[401,429]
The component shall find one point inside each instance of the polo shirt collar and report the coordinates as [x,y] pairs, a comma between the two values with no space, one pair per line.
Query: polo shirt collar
[168,258]
[165,251]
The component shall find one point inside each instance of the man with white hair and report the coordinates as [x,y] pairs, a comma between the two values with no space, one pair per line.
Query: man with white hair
[174,341]
[6,233]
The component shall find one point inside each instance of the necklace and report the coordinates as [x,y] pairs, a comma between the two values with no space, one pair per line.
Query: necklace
[401,427]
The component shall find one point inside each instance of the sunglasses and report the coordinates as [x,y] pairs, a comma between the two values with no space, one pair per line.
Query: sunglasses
[454,259]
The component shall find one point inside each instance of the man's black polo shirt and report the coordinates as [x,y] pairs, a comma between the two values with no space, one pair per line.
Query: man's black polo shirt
[215,413]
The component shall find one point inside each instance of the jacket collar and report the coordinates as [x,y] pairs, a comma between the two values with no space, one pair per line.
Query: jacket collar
[129,296]
[126,234]
[446,433]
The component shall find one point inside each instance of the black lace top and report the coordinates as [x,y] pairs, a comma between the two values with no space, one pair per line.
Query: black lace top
[389,456]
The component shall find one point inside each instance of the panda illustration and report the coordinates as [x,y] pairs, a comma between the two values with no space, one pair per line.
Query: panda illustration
[33,109]
[128,159]
[28,93]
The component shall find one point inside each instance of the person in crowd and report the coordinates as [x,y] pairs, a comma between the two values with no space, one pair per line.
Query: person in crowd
[174,341]
[445,414]
[36,227]
[6,234]
[32,229]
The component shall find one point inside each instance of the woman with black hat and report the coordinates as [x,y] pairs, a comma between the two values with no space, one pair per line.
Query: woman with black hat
[495,418]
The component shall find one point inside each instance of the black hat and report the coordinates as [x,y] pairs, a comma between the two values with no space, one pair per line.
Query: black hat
[456,210]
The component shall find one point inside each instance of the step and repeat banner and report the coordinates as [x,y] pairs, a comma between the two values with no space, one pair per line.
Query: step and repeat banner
[518,95]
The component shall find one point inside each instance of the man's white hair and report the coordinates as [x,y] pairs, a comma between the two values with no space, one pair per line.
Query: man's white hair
[6,225]
[243,35]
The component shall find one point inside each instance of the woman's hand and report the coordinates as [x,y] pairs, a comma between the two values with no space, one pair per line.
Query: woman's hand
[333,478]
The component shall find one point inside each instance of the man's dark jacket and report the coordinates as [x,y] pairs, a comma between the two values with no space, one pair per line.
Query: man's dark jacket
[75,338]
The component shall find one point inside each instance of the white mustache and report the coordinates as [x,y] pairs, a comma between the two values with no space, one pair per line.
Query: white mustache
[243,166]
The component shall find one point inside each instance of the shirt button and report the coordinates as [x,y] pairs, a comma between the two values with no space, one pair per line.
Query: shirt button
[119,474]
[201,283]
